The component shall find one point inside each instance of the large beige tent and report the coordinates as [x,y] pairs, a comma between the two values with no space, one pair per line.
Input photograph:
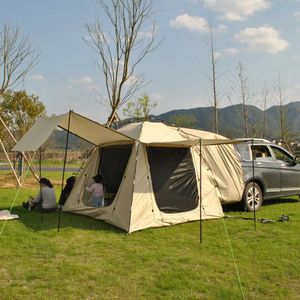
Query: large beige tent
[151,172]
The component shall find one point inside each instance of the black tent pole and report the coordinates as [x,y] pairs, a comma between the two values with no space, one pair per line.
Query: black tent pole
[40,169]
[64,168]
[253,186]
[200,186]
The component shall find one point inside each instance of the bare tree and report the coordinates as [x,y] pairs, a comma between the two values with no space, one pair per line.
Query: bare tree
[17,58]
[122,47]
[265,93]
[212,78]
[279,89]
[242,91]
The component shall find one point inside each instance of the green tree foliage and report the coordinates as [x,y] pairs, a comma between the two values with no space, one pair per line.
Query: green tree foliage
[184,120]
[19,111]
[139,109]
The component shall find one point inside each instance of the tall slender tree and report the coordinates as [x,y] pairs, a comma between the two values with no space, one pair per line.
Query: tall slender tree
[241,90]
[279,90]
[265,94]
[213,76]
[17,58]
[121,47]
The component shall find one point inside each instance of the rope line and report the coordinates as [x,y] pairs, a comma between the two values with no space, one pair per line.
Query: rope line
[234,261]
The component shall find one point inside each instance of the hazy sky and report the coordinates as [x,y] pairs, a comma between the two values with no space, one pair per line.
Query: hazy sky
[263,34]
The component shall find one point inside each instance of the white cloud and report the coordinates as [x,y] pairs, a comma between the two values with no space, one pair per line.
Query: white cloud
[265,39]
[221,28]
[37,77]
[193,23]
[230,51]
[236,10]
[85,82]
[82,81]
[297,15]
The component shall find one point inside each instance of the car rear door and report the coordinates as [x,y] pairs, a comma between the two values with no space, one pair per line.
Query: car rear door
[266,169]
[289,171]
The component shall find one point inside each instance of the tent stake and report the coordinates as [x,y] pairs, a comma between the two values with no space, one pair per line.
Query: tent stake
[200,186]
[64,168]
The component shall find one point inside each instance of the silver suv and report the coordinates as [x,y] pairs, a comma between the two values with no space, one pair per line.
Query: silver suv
[269,170]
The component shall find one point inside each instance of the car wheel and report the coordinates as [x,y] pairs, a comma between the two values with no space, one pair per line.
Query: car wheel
[252,197]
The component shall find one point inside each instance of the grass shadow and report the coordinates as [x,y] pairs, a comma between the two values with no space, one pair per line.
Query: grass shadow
[37,221]
[238,207]
[280,201]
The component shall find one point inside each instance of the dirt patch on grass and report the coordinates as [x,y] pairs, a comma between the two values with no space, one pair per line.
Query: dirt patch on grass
[8,181]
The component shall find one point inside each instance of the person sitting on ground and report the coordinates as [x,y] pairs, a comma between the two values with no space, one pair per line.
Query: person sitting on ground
[97,190]
[66,190]
[45,200]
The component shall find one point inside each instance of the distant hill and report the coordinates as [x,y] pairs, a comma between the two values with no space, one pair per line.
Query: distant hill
[230,122]
[231,119]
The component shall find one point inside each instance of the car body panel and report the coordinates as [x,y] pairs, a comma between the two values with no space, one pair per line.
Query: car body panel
[273,167]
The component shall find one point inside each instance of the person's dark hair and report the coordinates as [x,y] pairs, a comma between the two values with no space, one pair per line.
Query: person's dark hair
[71,180]
[46,182]
[98,178]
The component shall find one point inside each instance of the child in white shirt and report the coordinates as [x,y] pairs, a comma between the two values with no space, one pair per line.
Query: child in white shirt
[97,190]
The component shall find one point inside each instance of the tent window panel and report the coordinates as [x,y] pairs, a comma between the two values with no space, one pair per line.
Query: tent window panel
[113,162]
[173,178]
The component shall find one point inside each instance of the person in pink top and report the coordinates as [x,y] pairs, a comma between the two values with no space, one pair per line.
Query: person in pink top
[97,190]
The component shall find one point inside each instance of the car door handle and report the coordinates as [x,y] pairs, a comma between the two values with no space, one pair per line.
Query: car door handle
[258,163]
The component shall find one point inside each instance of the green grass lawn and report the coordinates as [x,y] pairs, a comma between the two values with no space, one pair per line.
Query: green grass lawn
[89,259]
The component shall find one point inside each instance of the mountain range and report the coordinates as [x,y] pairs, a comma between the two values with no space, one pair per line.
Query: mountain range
[231,120]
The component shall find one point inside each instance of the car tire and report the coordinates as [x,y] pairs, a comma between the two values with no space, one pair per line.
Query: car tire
[250,189]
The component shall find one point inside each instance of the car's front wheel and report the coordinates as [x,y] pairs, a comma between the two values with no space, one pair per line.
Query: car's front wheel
[252,197]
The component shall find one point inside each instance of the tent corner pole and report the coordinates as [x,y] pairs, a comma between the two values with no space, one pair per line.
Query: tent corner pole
[253,185]
[200,187]
[40,174]
[64,168]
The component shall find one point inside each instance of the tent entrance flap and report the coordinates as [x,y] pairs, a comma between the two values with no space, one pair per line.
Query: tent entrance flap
[174,179]
[112,165]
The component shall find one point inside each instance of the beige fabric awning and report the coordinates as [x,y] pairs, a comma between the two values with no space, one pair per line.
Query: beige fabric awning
[89,130]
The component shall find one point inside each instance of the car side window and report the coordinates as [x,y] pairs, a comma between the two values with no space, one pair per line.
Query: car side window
[282,155]
[243,150]
[261,152]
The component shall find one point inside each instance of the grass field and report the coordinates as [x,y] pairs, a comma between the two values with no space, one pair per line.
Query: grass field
[90,259]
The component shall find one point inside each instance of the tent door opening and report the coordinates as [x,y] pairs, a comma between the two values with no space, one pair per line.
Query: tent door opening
[112,165]
[173,178]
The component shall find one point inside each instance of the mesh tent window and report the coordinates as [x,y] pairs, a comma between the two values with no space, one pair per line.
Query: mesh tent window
[113,162]
[173,178]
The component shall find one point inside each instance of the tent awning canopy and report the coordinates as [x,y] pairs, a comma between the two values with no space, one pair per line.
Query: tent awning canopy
[82,127]
[97,134]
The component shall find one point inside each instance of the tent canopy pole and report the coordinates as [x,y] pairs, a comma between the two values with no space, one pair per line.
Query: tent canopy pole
[64,167]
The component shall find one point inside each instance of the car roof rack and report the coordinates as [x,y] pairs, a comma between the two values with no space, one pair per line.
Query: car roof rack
[253,139]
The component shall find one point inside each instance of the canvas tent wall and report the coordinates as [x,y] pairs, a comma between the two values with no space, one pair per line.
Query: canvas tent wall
[152,174]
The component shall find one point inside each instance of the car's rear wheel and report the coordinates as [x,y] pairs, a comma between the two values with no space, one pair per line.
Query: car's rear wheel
[252,197]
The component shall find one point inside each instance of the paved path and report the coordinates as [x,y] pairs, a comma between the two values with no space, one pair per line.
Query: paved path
[4,167]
